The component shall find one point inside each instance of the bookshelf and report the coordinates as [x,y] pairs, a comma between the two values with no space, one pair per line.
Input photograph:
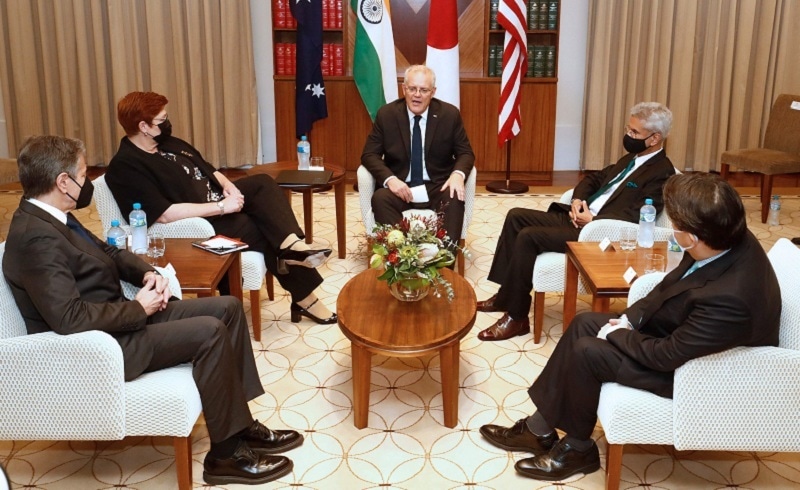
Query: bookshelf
[340,137]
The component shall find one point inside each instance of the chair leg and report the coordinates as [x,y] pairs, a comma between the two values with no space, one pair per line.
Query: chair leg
[270,286]
[538,315]
[724,170]
[613,466]
[255,311]
[460,256]
[183,461]
[766,196]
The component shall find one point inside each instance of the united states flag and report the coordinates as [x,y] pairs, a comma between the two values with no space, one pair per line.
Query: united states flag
[511,17]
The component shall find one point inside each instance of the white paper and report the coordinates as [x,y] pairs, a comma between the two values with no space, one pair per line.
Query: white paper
[629,275]
[795,105]
[219,243]
[604,244]
[419,194]
[174,285]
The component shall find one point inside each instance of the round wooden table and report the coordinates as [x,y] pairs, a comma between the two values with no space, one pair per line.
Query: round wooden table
[377,323]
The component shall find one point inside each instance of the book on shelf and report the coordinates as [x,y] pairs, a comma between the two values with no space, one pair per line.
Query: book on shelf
[338,59]
[539,61]
[494,5]
[498,61]
[533,14]
[220,245]
[550,61]
[325,64]
[280,59]
[552,15]
[279,9]
[492,60]
[543,9]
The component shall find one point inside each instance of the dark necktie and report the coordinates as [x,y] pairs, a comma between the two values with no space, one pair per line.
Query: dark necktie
[416,154]
[618,178]
[74,225]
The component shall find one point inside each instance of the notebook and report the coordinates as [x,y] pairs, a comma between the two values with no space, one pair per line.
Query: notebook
[304,177]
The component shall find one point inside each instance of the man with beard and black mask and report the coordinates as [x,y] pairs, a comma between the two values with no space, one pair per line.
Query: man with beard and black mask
[616,192]
[64,279]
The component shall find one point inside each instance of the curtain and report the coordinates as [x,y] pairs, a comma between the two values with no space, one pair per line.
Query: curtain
[717,64]
[66,63]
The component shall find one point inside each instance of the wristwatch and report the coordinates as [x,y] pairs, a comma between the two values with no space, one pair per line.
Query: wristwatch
[221,206]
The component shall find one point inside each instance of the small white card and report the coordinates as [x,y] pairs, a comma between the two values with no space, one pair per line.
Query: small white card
[795,105]
[629,275]
[419,194]
[604,244]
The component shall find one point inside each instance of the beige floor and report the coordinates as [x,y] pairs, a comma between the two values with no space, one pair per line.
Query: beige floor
[305,369]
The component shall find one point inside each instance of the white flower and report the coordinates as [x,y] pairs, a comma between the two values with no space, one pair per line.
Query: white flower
[375,261]
[395,238]
[427,252]
[416,227]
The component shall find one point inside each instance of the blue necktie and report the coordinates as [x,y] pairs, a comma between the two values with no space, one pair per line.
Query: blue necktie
[416,154]
[74,225]
[618,178]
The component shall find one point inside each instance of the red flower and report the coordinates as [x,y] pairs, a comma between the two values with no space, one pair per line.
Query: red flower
[440,233]
[392,257]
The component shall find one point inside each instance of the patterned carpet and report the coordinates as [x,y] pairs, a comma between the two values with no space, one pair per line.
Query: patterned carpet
[305,369]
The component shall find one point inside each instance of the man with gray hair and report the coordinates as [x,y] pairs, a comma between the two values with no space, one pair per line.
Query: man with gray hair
[616,192]
[419,144]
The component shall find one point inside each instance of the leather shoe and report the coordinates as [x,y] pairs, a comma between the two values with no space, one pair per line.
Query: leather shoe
[265,441]
[297,312]
[246,467]
[487,305]
[561,462]
[518,438]
[305,258]
[505,328]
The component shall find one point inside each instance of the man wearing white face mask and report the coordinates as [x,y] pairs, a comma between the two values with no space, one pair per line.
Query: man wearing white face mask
[723,294]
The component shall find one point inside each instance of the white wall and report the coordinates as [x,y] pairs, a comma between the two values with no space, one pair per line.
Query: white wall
[571,80]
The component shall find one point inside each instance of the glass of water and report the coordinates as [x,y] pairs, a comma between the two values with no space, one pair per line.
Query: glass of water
[627,238]
[156,246]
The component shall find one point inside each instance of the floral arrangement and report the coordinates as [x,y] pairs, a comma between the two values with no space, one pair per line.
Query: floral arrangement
[412,252]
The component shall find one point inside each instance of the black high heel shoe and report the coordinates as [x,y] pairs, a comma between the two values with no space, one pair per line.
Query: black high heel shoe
[298,312]
[305,258]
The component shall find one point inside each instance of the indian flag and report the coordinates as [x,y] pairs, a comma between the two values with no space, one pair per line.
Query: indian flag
[374,66]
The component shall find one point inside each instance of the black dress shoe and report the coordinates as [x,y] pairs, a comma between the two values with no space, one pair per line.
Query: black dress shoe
[561,462]
[246,467]
[265,441]
[505,328]
[305,258]
[487,305]
[518,438]
[298,312]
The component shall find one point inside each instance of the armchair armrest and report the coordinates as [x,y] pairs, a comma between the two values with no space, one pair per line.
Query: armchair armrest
[366,188]
[742,399]
[185,228]
[61,387]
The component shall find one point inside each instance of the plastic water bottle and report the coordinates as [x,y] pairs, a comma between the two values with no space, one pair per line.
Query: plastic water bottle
[138,222]
[303,153]
[774,218]
[116,236]
[647,224]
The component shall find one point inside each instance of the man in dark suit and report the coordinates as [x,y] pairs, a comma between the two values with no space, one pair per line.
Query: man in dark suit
[65,279]
[419,142]
[616,192]
[723,294]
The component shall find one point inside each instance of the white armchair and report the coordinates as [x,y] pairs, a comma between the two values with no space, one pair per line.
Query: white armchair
[74,384]
[550,269]
[742,399]
[366,188]
[253,269]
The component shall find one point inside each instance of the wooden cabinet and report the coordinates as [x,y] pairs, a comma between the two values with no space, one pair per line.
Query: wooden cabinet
[340,138]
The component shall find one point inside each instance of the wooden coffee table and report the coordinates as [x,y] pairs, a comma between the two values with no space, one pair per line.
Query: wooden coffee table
[602,273]
[377,323]
[200,272]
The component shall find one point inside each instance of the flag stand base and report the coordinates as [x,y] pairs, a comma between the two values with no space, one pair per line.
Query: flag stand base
[506,187]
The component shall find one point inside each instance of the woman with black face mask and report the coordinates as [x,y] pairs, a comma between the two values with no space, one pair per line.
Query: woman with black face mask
[172,181]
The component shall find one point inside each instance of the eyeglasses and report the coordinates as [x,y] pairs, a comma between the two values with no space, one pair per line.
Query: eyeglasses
[160,120]
[633,133]
[418,90]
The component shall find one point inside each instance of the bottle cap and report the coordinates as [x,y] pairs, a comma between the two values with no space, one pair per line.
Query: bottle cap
[648,201]
[303,138]
[136,205]
[114,222]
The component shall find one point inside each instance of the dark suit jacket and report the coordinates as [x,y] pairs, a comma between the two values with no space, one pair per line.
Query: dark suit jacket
[733,301]
[63,283]
[647,181]
[387,151]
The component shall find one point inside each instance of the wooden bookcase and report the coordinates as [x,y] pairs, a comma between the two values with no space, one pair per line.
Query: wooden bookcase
[340,137]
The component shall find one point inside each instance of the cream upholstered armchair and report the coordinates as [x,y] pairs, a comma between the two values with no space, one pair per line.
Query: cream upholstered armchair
[75,387]
[742,399]
[253,269]
[366,188]
[550,268]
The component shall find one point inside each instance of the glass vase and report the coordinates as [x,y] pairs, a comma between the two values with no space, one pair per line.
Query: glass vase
[412,289]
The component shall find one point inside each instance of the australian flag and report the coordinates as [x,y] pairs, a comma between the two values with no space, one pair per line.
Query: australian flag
[311,103]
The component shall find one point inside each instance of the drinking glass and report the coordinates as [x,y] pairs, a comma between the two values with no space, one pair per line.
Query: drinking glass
[654,263]
[317,164]
[627,238]
[156,246]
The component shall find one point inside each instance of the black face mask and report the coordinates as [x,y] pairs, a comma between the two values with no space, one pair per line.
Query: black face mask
[85,196]
[633,145]
[166,131]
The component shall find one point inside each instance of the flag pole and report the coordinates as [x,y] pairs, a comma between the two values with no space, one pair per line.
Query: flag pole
[507,186]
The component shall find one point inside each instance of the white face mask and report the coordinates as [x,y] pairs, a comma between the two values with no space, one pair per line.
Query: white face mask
[683,249]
